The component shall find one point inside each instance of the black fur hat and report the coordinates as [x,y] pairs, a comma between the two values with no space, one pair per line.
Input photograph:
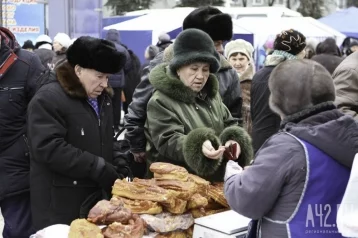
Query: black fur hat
[93,53]
[211,20]
[187,50]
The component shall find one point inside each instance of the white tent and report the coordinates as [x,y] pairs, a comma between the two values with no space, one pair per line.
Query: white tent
[238,12]
[267,28]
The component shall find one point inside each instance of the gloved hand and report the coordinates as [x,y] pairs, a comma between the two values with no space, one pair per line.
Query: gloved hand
[232,168]
[238,148]
[210,152]
[139,157]
[107,177]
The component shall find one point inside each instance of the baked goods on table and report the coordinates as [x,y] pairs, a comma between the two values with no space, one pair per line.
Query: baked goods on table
[81,228]
[166,204]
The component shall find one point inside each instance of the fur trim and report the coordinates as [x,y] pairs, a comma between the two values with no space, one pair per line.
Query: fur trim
[71,83]
[273,60]
[193,154]
[239,135]
[163,80]
[248,74]
[224,64]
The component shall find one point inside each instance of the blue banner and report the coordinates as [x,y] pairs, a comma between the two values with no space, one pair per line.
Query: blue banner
[24,18]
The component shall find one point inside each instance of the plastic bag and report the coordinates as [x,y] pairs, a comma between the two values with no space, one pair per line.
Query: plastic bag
[54,231]
[347,215]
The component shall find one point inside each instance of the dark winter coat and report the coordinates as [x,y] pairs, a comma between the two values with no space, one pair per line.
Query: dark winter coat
[272,186]
[179,121]
[132,77]
[330,62]
[229,89]
[46,56]
[265,122]
[70,147]
[58,59]
[17,86]
[118,80]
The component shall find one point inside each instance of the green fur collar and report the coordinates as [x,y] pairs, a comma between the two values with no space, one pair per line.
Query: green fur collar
[163,80]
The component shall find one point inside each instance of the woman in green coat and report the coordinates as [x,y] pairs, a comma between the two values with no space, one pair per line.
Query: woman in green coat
[187,122]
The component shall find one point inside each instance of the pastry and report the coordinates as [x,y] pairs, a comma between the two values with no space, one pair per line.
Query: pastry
[197,201]
[105,212]
[185,189]
[174,234]
[164,171]
[141,206]
[139,191]
[166,222]
[202,184]
[216,192]
[81,228]
[135,229]
[213,205]
[179,207]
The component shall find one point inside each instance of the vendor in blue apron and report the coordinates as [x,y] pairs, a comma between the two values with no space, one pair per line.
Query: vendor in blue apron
[298,178]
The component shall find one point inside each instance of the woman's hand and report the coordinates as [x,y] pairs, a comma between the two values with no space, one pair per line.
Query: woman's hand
[238,148]
[210,152]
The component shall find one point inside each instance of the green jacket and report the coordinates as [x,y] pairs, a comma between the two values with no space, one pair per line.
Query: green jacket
[180,120]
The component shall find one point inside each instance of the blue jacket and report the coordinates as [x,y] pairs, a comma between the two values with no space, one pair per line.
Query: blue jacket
[118,80]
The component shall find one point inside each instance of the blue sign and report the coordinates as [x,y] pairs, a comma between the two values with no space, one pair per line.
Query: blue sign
[24,18]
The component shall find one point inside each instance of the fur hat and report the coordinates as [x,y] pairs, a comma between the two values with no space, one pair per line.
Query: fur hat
[291,41]
[328,46]
[63,39]
[28,45]
[296,85]
[211,20]
[239,46]
[93,53]
[187,50]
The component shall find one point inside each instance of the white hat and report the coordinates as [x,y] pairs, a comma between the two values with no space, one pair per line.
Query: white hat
[239,46]
[63,39]
[43,38]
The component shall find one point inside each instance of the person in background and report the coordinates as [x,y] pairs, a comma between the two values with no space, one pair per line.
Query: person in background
[345,79]
[71,134]
[219,27]
[44,50]
[17,87]
[311,45]
[292,172]
[239,53]
[288,45]
[163,41]
[187,122]
[117,81]
[149,54]
[28,45]
[354,46]
[61,42]
[328,54]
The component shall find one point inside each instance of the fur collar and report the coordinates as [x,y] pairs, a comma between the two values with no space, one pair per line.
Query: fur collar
[163,80]
[224,64]
[274,60]
[248,74]
[71,83]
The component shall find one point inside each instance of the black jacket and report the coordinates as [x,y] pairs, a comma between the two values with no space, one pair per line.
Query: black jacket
[229,88]
[71,148]
[17,86]
[265,123]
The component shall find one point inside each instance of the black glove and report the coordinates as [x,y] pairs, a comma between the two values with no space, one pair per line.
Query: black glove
[107,177]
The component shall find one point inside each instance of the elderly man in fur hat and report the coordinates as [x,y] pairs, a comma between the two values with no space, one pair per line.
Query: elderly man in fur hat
[219,27]
[71,134]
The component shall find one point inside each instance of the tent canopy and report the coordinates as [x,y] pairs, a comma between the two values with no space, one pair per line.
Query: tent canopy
[238,12]
[268,28]
[144,30]
[344,21]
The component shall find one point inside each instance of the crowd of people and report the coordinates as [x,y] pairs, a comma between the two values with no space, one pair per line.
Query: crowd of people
[293,122]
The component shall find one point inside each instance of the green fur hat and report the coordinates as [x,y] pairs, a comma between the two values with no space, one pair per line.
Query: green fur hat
[191,46]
